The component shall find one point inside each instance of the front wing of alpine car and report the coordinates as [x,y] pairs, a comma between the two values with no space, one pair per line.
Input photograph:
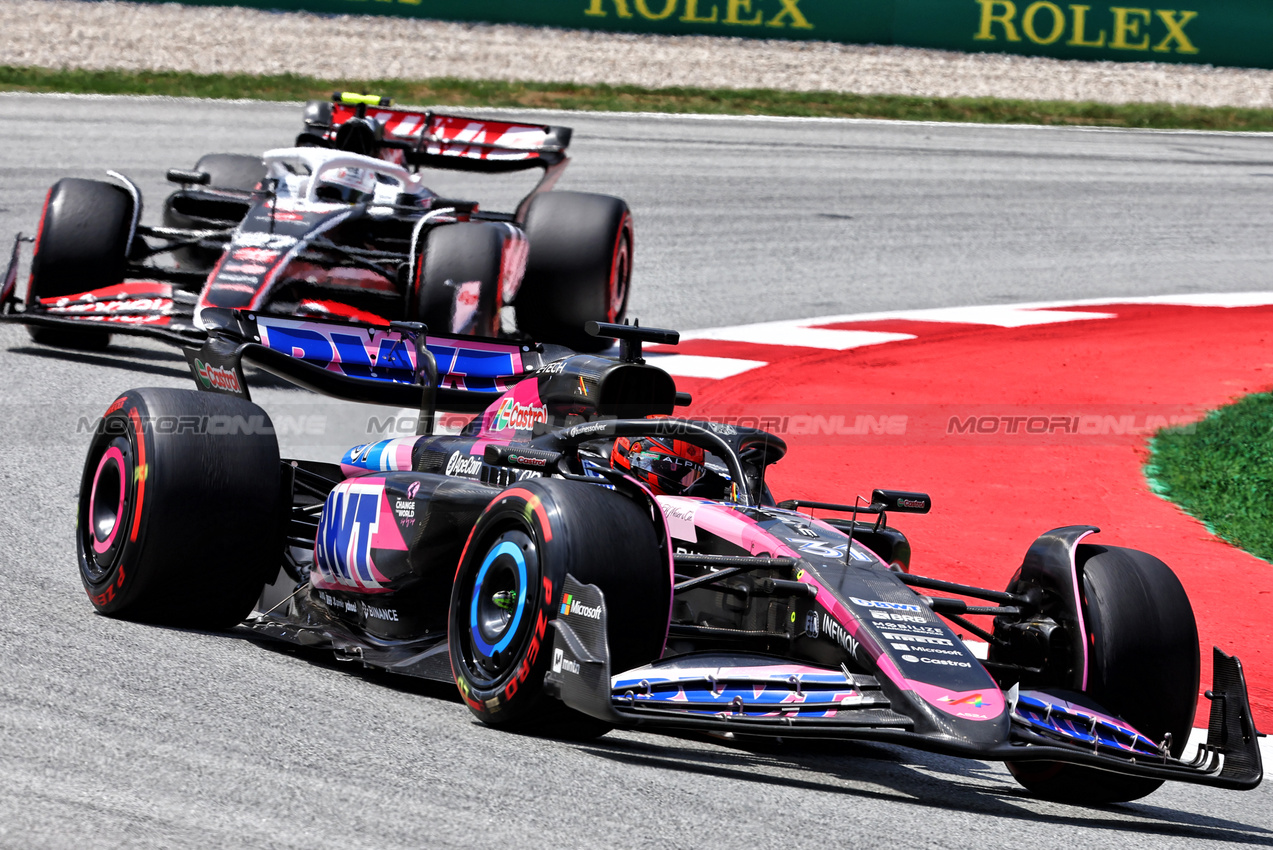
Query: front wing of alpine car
[745,693]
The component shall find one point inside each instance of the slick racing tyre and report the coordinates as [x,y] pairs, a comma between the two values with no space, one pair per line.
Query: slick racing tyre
[179,509]
[458,275]
[82,244]
[1142,667]
[508,588]
[579,268]
[225,171]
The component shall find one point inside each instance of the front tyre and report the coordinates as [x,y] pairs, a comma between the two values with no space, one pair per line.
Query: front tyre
[1143,667]
[508,588]
[178,517]
[82,245]
[459,272]
[579,268]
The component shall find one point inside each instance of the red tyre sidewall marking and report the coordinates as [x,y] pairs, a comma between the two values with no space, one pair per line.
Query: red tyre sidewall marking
[142,473]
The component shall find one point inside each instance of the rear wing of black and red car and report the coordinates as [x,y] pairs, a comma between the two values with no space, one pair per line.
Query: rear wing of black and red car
[434,139]
[372,126]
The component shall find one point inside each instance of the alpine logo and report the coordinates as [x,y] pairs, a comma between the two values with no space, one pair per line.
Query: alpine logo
[522,417]
[975,700]
[216,378]
[460,464]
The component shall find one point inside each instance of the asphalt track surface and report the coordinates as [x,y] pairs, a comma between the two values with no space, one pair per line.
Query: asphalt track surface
[115,734]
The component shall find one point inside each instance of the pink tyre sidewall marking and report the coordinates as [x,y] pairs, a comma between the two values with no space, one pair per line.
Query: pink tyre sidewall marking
[113,455]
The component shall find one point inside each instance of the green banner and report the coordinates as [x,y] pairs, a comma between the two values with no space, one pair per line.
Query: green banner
[1218,32]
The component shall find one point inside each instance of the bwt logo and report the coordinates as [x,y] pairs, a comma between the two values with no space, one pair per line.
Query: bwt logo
[1043,22]
[735,12]
[350,520]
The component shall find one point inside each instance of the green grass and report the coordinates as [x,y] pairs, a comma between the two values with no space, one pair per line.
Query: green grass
[1221,471]
[447,91]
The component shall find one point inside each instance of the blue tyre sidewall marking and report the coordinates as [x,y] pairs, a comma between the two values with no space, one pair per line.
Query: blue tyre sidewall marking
[505,548]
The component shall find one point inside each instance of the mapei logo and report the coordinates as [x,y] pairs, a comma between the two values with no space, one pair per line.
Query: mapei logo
[570,605]
[887,606]
[562,663]
[216,378]
[521,417]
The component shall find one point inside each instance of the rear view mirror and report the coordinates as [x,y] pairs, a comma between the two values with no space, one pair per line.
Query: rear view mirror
[902,501]
[188,178]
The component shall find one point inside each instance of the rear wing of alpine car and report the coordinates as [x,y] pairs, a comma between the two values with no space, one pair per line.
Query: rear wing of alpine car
[399,365]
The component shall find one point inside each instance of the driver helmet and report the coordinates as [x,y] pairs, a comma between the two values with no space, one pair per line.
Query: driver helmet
[347,185]
[669,467]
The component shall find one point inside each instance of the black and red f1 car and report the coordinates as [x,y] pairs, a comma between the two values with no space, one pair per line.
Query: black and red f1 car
[340,226]
[562,595]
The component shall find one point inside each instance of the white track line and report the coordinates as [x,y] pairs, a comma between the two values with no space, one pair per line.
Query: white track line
[1000,316]
[697,366]
[797,333]
[1199,736]
[812,333]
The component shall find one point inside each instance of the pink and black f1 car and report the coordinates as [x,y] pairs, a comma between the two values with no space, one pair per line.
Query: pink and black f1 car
[339,226]
[561,595]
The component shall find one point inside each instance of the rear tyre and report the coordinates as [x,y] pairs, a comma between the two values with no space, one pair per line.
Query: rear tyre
[225,171]
[508,589]
[458,275]
[579,268]
[179,509]
[82,244]
[1143,667]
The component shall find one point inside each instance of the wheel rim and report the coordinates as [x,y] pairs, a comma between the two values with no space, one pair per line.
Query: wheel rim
[620,275]
[499,603]
[108,508]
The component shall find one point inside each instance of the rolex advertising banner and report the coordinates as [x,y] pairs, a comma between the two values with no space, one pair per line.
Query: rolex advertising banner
[1215,32]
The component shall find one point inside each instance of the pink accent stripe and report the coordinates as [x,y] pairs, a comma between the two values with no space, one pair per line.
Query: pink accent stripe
[1078,607]
[113,455]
